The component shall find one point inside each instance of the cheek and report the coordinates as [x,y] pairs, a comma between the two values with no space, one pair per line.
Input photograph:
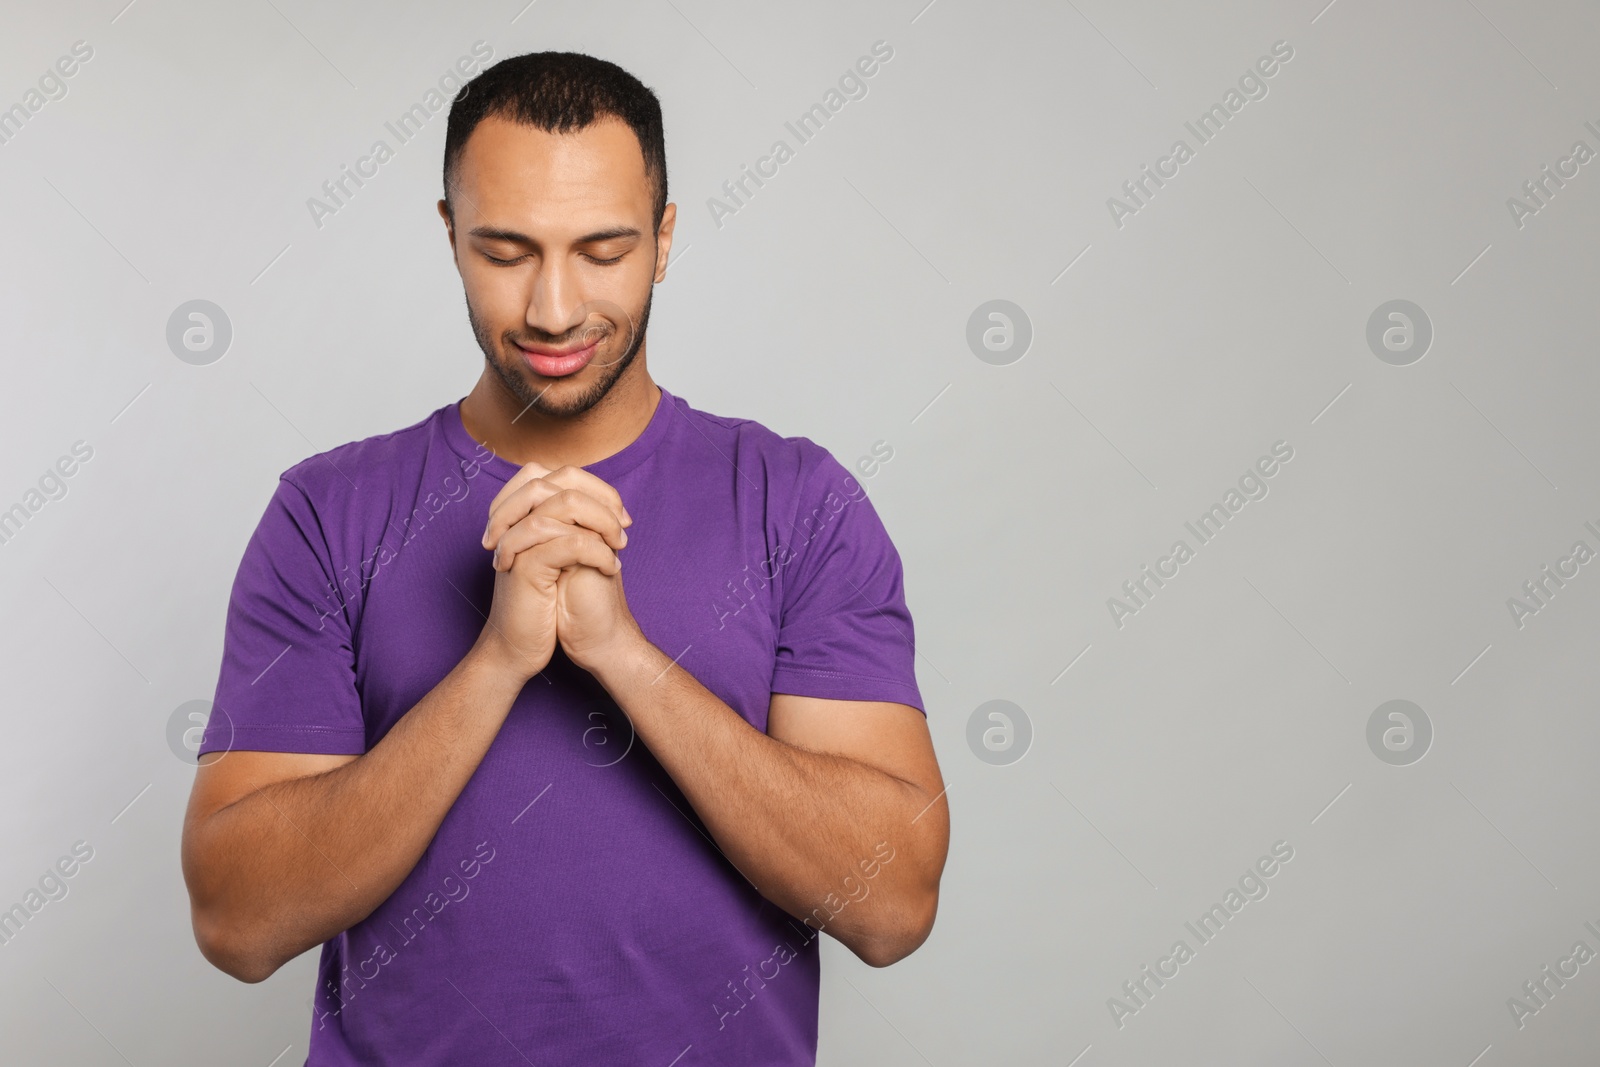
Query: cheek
[498,295]
[623,311]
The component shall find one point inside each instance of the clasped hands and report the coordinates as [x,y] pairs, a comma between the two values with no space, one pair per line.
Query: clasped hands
[555,536]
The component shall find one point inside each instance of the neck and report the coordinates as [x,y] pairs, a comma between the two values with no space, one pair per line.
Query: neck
[492,415]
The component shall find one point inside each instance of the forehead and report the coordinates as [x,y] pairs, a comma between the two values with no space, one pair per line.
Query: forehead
[508,171]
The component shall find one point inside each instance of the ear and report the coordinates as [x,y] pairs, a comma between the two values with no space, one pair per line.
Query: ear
[669,219]
[449,223]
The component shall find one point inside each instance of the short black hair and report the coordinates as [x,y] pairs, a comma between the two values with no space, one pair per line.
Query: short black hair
[559,92]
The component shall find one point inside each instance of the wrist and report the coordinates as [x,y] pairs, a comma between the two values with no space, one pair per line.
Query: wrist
[493,660]
[623,660]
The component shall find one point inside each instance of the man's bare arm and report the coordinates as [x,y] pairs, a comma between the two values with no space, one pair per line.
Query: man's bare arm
[802,819]
[283,851]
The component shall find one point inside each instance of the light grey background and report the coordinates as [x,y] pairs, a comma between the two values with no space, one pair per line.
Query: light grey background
[1228,314]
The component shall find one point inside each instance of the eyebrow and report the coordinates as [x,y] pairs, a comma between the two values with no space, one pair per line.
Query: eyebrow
[492,233]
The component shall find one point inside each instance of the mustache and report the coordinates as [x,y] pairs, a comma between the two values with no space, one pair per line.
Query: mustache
[604,335]
[582,339]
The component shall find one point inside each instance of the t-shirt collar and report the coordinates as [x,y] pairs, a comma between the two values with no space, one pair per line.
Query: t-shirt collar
[618,463]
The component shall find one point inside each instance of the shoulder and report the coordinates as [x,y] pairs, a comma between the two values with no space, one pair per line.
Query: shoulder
[793,463]
[370,464]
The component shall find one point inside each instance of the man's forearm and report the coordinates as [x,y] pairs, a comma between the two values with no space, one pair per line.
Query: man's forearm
[295,862]
[804,828]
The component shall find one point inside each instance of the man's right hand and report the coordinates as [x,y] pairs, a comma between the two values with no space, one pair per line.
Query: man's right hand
[541,522]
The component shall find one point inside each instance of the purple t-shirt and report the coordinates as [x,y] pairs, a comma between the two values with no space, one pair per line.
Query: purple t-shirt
[571,908]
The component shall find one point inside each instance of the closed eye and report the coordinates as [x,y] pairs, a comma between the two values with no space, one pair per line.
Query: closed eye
[518,259]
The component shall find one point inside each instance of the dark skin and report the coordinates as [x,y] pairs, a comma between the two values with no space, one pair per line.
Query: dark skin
[282,851]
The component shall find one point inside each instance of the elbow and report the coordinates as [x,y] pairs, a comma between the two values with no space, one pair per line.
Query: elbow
[884,953]
[889,946]
[228,951]
[226,942]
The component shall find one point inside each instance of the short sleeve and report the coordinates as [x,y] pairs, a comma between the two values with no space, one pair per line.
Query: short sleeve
[287,682]
[845,632]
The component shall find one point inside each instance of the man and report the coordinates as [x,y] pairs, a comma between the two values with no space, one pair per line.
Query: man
[536,805]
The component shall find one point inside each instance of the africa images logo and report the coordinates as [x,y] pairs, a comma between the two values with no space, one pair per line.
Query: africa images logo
[1252,86]
[1252,486]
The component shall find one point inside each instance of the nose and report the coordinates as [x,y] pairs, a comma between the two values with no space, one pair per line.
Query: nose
[555,300]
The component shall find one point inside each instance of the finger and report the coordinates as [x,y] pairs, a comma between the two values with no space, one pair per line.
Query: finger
[513,507]
[593,552]
[560,514]
[527,489]
[542,496]
[581,509]
[525,474]
[532,531]
[581,547]
[570,477]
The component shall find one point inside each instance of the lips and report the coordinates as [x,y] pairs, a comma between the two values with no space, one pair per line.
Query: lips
[558,365]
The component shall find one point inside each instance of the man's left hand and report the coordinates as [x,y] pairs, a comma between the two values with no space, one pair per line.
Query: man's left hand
[593,622]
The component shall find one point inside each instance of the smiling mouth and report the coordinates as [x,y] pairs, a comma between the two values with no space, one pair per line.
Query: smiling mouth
[558,364]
